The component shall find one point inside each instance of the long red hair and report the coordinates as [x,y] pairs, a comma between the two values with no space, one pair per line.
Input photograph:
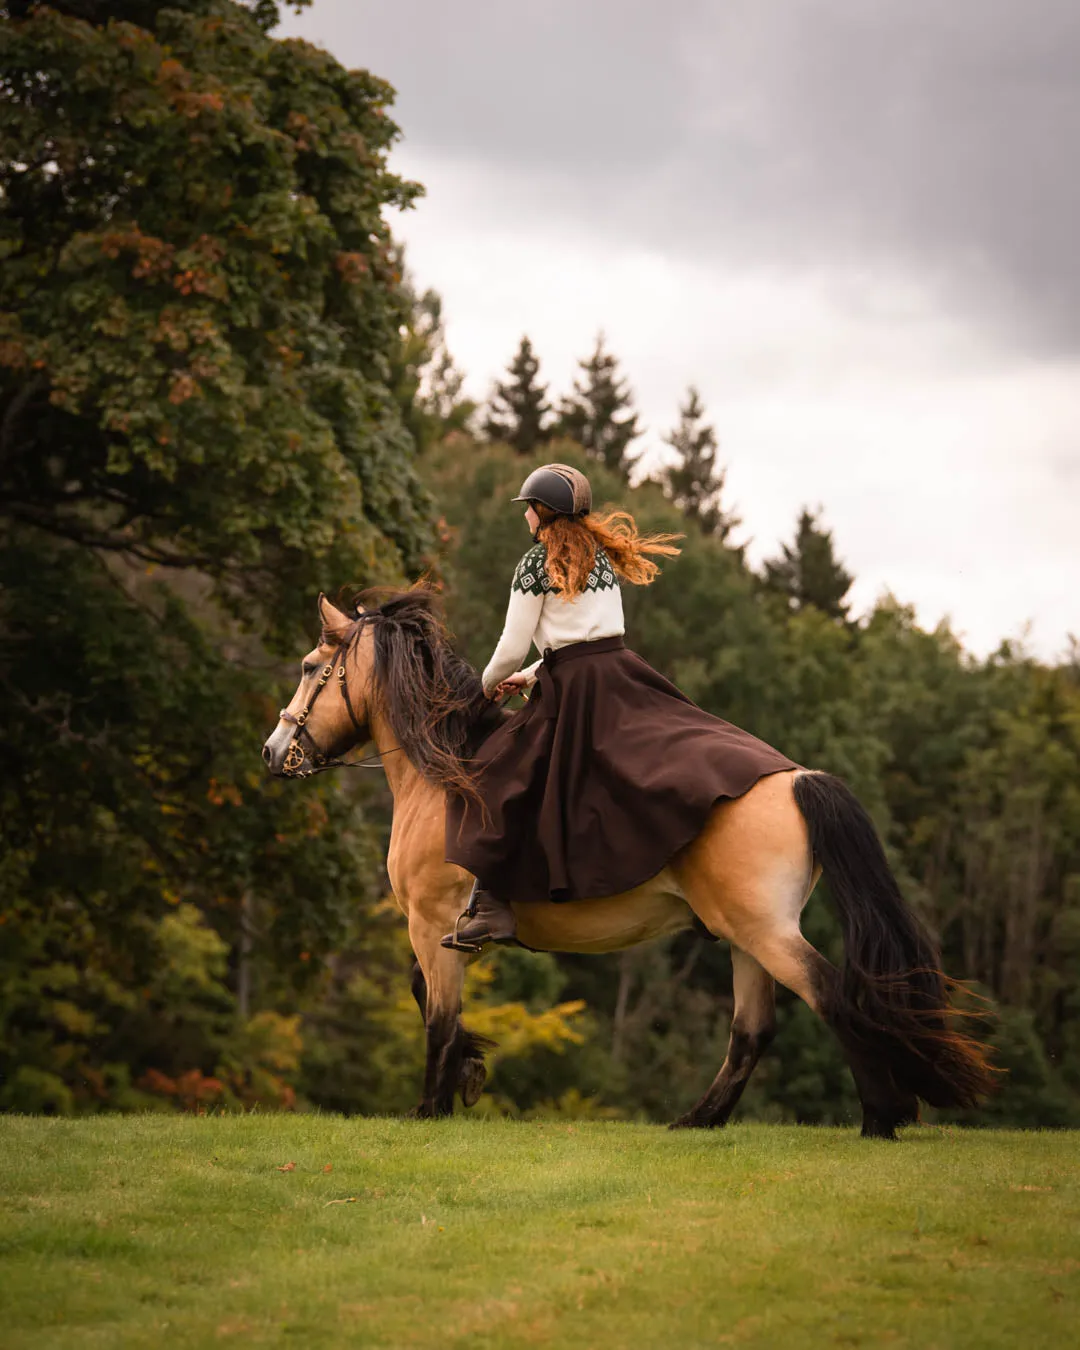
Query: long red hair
[572,542]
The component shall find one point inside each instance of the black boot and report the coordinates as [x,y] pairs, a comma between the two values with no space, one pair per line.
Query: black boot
[486,919]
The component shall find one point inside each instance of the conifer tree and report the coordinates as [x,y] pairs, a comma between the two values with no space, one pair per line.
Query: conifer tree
[695,482]
[599,413]
[428,386]
[808,572]
[519,410]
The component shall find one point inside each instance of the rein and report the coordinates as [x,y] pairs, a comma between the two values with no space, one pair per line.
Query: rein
[295,756]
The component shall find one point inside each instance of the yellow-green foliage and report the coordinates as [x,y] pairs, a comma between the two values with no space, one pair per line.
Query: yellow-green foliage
[515,1028]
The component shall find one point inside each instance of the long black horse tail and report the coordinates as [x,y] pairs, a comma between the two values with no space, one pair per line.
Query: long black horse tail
[892,999]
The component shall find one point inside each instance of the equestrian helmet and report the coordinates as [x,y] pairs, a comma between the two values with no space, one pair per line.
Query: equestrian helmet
[562,488]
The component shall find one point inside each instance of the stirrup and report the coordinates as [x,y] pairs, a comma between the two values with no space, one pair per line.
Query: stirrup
[453,943]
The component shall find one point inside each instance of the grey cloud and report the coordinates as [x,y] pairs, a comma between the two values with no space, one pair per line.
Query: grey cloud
[937,139]
[562,85]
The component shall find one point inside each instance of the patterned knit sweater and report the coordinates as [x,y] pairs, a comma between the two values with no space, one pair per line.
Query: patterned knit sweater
[539,615]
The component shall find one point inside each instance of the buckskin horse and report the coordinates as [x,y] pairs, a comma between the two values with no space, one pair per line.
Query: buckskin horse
[391,676]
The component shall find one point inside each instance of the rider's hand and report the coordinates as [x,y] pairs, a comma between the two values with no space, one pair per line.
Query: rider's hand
[513,684]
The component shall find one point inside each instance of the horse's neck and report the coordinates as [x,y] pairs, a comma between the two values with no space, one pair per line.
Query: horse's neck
[417,829]
[402,775]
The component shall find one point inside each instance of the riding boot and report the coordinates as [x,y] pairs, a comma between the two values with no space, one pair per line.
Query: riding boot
[485,919]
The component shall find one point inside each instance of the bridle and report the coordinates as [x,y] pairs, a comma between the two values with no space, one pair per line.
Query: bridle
[295,756]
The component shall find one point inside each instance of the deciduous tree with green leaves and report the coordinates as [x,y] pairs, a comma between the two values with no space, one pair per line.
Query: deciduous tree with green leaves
[199,297]
[200,306]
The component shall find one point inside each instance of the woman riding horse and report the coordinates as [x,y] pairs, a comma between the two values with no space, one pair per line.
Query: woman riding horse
[612,790]
[609,770]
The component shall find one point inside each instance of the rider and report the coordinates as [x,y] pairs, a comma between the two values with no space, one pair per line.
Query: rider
[608,770]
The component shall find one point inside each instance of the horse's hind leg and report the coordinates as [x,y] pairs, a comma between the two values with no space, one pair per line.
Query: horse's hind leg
[753,1026]
[747,878]
[792,961]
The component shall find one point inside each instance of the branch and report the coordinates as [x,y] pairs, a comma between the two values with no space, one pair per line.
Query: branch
[35,385]
[113,543]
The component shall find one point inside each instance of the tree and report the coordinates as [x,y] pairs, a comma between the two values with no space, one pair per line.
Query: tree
[198,298]
[695,482]
[808,571]
[427,383]
[200,304]
[599,414]
[519,409]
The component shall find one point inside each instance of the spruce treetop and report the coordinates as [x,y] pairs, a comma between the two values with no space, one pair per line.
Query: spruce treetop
[519,412]
[808,571]
[695,482]
[599,414]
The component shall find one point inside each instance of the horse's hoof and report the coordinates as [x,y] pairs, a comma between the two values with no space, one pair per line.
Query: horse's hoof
[878,1129]
[471,1082]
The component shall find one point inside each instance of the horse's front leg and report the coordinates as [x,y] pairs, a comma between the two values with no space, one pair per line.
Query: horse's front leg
[473,1073]
[443,976]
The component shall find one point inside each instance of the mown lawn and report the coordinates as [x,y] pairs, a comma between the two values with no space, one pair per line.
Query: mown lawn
[317,1231]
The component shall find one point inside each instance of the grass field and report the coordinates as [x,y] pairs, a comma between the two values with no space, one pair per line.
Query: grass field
[317,1231]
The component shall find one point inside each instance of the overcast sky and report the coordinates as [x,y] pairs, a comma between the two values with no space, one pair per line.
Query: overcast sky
[853,224]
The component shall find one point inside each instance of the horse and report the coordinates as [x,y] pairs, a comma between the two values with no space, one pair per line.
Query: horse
[388,674]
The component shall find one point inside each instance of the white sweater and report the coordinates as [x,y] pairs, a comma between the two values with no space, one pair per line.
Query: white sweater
[538,614]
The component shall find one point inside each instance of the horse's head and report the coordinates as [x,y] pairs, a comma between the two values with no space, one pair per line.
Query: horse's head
[394,667]
[328,714]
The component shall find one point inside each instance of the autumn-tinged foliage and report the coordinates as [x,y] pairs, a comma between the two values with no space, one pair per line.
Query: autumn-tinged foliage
[200,298]
[200,306]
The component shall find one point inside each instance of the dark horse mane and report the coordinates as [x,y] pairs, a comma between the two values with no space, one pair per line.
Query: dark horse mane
[433,700]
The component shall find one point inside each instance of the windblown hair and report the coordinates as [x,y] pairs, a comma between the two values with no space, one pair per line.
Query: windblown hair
[432,698]
[572,541]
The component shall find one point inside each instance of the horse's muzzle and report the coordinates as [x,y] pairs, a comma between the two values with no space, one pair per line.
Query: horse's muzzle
[281,754]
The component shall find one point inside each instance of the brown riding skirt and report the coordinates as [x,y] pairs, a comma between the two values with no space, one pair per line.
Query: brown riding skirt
[598,781]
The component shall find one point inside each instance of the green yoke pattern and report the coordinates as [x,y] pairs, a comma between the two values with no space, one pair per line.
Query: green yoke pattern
[532,578]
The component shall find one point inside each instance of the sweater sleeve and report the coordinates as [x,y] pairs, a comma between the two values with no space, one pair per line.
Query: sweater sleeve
[522,616]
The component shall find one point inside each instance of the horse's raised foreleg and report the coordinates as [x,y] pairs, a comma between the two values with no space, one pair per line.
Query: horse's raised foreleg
[473,1073]
[753,1026]
[454,1058]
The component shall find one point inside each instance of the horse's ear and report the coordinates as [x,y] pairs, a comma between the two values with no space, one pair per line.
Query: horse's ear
[334,623]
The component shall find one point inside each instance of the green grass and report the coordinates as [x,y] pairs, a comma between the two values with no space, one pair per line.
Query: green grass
[153,1231]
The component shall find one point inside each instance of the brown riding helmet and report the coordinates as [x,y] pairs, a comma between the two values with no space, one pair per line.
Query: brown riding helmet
[560,487]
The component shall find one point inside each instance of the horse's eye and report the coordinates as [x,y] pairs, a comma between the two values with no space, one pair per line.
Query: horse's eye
[307,669]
